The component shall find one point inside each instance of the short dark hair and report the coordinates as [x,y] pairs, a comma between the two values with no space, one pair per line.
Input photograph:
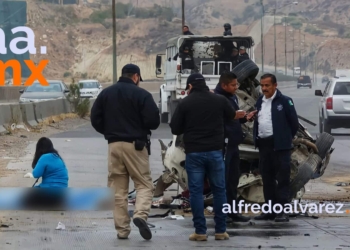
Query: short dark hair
[271,76]
[128,75]
[227,77]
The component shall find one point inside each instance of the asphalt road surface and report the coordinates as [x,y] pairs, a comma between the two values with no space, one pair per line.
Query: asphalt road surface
[85,154]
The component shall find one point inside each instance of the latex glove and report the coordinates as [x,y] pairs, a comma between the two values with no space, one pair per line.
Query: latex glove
[28,175]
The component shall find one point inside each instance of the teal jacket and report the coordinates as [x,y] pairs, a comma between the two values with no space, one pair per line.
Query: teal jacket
[52,170]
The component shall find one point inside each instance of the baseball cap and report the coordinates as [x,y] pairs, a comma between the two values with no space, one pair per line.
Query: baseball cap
[242,47]
[194,79]
[132,68]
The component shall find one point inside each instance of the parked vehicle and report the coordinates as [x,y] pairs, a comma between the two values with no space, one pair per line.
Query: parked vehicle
[209,54]
[57,89]
[90,88]
[334,106]
[297,71]
[304,81]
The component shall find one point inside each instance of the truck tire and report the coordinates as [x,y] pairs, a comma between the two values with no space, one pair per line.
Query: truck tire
[324,142]
[305,173]
[246,69]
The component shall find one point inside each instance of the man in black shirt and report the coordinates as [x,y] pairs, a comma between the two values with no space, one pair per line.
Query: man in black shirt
[200,117]
[186,30]
[125,113]
[227,87]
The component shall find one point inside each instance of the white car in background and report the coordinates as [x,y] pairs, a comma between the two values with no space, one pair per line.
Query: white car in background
[89,88]
[334,106]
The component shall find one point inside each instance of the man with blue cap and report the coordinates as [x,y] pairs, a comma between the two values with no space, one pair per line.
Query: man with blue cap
[125,114]
[200,117]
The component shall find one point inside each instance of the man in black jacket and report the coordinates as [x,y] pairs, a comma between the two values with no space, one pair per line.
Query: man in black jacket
[227,87]
[200,117]
[227,28]
[125,113]
[274,129]
[186,30]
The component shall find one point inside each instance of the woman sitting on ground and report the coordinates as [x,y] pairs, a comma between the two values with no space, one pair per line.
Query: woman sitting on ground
[48,165]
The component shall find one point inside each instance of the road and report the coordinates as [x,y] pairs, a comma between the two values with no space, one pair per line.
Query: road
[85,153]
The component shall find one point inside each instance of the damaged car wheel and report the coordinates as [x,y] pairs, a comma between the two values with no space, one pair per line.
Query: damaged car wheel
[324,143]
[305,172]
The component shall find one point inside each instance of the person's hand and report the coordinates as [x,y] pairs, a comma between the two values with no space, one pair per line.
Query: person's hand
[212,91]
[251,115]
[240,114]
[28,175]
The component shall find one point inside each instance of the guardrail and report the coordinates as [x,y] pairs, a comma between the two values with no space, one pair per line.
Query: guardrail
[31,114]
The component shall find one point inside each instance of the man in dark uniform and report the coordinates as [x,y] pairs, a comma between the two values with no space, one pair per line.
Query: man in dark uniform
[274,129]
[125,113]
[187,61]
[200,117]
[243,54]
[227,87]
[227,28]
[186,30]
[235,58]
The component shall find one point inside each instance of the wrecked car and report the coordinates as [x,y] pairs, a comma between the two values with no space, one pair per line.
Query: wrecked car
[310,156]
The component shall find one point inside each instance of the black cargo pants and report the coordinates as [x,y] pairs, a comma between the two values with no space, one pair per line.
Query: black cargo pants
[275,172]
[232,162]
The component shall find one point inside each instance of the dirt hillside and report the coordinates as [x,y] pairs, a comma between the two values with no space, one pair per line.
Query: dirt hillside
[79,37]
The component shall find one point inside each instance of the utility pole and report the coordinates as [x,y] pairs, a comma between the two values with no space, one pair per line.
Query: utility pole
[293,53]
[285,45]
[183,15]
[114,43]
[300,49]
[306,57]
[262,35]
[274,24]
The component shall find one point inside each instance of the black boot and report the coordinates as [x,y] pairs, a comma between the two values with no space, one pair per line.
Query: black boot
[238,218]
[282,217]
[264,216]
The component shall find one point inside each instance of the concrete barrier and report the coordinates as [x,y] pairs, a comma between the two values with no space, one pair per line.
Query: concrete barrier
[43,110]
[5,117]
[28,114]
[33,113]
[10,93]
[9,114]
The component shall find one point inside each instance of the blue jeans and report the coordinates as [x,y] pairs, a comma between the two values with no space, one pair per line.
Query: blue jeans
[211,165]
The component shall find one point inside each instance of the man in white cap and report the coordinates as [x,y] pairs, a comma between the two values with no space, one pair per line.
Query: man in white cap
[243,54]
